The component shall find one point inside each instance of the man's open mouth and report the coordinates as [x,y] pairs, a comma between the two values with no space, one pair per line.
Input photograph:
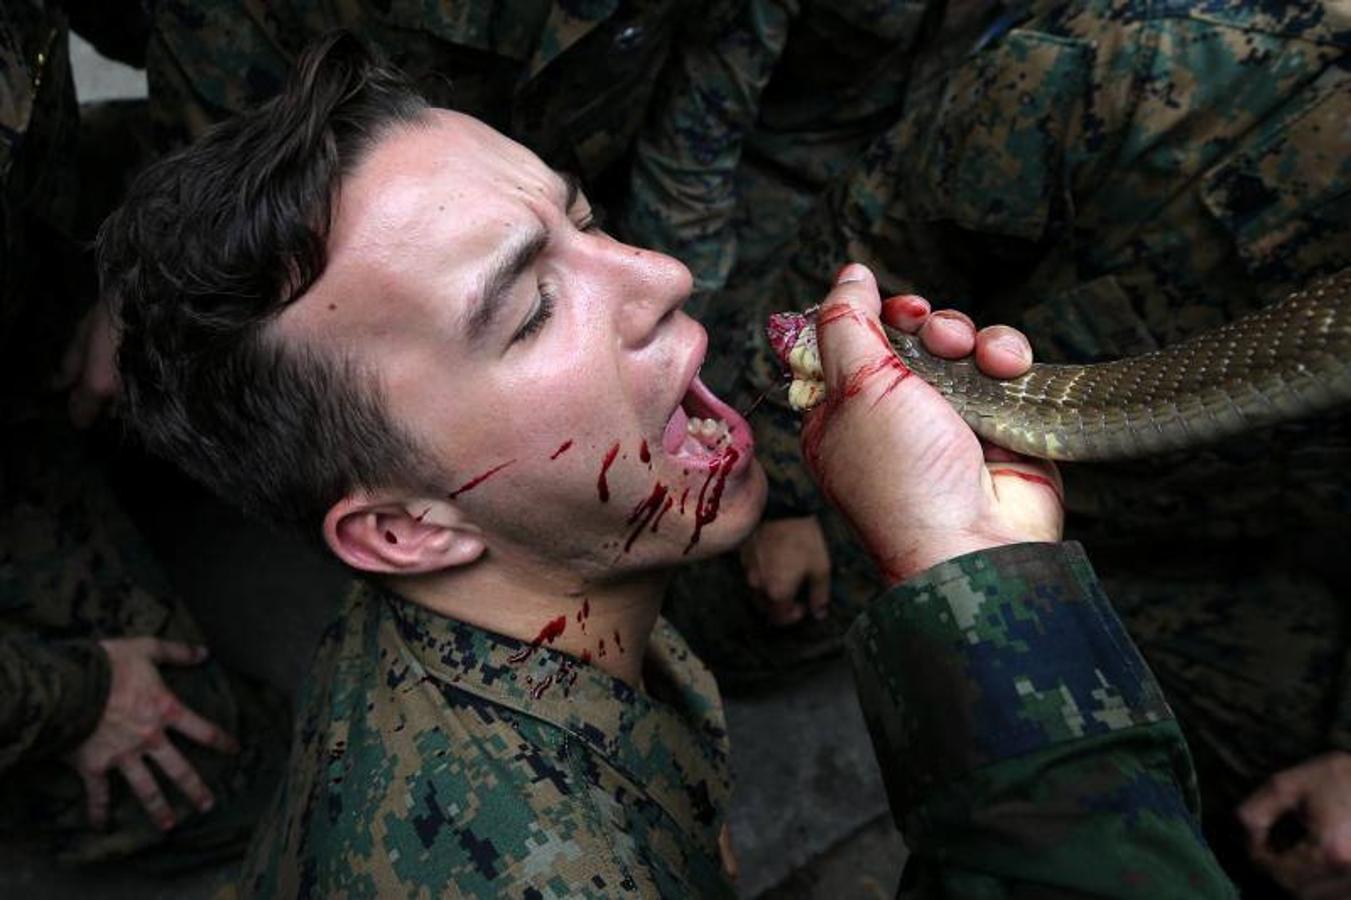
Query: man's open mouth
[703,428]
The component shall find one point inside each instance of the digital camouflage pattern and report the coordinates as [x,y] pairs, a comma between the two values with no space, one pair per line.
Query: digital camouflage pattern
[754,123]
[1113,176]
[434,758]
[72,568]
[1025,747]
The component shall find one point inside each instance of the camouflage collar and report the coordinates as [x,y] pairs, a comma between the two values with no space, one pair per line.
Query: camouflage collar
[674,750]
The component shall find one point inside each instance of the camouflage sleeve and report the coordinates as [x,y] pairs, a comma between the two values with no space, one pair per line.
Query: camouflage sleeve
[681,194]
[1024,743]
[51,695]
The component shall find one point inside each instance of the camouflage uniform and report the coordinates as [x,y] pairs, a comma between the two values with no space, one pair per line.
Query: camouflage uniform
[72,570]
[1026,750]
[434,758]
[1113,176]
[723,185]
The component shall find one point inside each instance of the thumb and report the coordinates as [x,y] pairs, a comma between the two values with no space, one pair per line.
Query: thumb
[848,331]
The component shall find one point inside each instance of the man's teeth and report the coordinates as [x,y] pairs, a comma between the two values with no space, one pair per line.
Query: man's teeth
[710,432]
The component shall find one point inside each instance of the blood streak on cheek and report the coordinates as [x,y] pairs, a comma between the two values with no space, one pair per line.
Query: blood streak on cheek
[563,448]
[478,479]
[619,643]
[583,614]
[644,454]
[1031,477]
[602,486]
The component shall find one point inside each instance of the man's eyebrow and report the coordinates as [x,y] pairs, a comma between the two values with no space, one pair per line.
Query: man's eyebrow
[502,273]
[508,265]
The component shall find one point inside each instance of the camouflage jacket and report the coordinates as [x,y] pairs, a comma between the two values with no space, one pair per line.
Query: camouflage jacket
[1026,748]
[571,79]
[433,758]
[51,694]
[755,120]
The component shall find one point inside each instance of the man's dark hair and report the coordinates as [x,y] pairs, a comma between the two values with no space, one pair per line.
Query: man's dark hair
[210,246]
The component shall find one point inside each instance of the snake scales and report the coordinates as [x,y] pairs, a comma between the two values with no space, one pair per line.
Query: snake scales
[1288,361]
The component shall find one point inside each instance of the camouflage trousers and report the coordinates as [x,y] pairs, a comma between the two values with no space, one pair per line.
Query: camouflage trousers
[73,567]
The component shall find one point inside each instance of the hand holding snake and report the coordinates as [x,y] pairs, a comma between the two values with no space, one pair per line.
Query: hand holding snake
[941,496]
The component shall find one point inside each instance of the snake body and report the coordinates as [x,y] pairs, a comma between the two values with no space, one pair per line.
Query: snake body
[1287,361]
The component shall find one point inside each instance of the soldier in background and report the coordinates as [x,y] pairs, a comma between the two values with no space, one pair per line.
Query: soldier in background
[1113,178]
[117,735]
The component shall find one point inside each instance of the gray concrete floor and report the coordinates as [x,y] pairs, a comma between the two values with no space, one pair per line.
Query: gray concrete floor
[809,814]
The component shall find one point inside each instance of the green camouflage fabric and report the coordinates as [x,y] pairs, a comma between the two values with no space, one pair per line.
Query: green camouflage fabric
[571,79]
[1112,177]
[72,571]
[753,123]
[1026,749]
[72,568]
[433,758]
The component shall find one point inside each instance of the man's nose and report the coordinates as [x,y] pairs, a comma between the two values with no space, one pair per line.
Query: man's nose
[655,285]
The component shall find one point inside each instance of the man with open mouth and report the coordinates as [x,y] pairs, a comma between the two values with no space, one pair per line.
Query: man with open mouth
[398,330]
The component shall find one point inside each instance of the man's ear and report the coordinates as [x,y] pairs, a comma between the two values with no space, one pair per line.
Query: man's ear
[400,535]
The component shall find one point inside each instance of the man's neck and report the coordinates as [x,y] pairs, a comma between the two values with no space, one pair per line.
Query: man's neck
[606,625]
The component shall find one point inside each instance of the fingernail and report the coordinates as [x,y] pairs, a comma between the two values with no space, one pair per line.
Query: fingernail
[851,273]
[1012,346]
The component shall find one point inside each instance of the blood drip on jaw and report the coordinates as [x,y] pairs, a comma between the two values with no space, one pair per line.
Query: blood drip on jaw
[706,511]
[603,487]
[648,511]
[563,448]
[644,454]
[547,635]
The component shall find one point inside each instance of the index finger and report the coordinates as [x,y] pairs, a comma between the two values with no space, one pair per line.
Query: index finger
[849,333]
